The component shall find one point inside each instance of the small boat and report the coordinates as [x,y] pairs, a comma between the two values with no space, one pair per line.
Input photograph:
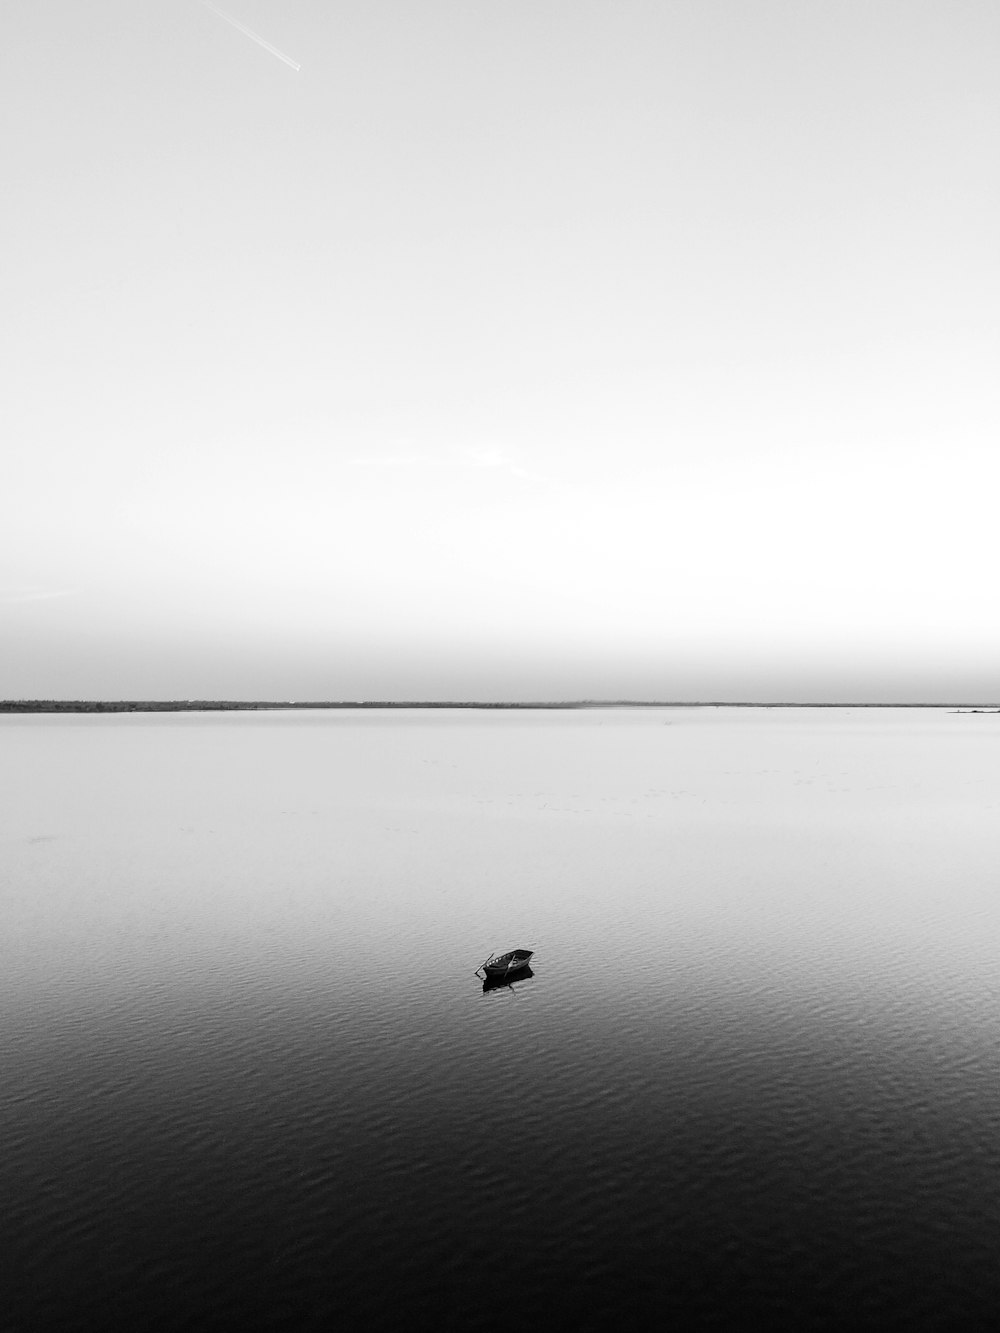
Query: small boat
[506,963]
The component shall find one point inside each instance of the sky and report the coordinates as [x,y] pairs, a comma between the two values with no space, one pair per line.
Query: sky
[533,349]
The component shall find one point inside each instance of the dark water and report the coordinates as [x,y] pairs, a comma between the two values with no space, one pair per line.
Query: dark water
[248,1075]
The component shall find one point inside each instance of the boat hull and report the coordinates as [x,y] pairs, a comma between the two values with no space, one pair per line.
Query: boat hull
[508,982]
[508,963]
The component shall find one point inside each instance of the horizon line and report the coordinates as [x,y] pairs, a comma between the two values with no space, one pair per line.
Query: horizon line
[216,705]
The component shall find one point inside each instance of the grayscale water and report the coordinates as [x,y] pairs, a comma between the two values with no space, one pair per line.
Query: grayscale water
[249,1077]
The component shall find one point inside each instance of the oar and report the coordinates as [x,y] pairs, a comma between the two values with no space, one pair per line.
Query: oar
[482,965]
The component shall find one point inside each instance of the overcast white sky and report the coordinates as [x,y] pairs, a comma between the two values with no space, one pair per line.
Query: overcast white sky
[541,349]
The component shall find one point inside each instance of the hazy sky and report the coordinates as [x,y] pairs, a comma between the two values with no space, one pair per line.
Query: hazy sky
[505,349]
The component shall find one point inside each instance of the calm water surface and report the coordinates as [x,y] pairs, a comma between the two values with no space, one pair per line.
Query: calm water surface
[249,1076]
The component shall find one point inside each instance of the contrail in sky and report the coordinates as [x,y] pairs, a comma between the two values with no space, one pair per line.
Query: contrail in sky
[250,33]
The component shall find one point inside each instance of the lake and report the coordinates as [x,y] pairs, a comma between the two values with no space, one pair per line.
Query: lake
[250,1078]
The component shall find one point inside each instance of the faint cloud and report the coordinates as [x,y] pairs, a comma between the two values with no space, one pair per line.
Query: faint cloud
[395,460]
[497,458]
[472,457]
[19,596]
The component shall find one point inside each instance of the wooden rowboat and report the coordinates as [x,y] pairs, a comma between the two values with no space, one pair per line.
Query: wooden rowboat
[507,963]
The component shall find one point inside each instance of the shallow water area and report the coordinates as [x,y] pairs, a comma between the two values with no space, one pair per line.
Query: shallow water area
[249,1074]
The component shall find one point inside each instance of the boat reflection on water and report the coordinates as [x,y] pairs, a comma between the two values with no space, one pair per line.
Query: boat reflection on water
[508,982]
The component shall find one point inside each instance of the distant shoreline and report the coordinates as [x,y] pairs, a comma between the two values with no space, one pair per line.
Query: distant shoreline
[231,705]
